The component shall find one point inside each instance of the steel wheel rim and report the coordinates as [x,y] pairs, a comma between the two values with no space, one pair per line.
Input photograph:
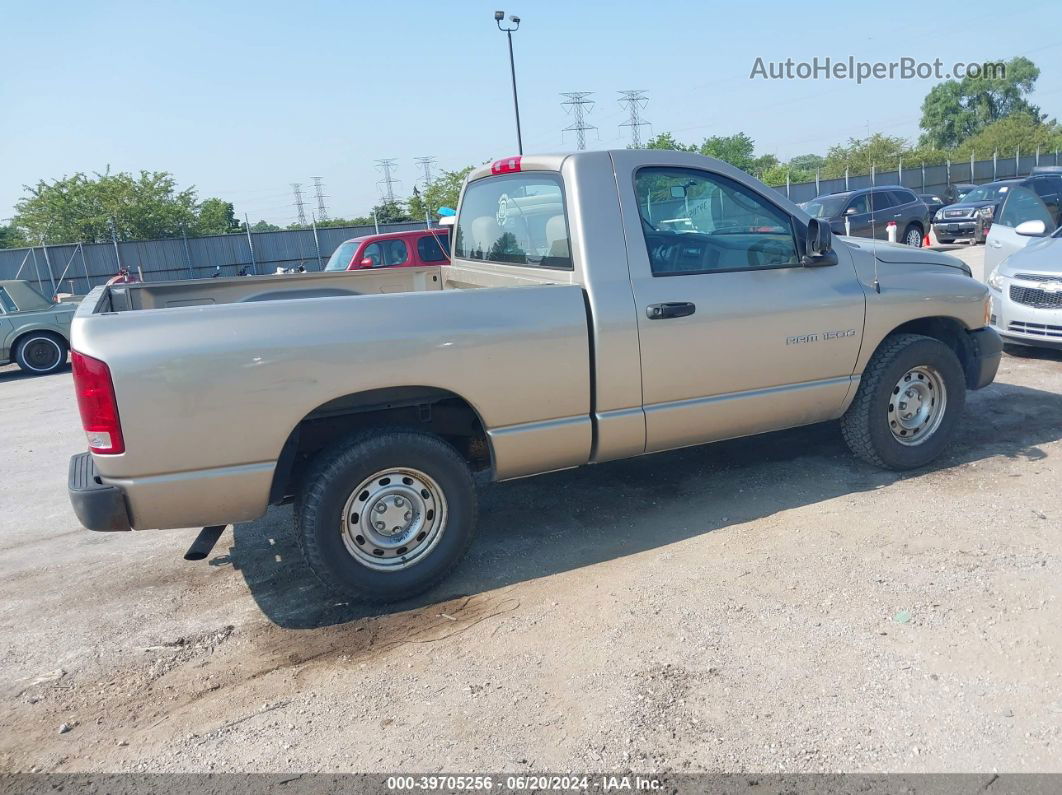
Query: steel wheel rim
[914,239]
[917,405]
[41,354]
[393,519]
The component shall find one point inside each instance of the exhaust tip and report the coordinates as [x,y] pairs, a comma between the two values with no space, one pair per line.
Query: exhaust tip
[204,542]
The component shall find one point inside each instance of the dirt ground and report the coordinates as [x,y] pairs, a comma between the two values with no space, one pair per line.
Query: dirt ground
[767,604]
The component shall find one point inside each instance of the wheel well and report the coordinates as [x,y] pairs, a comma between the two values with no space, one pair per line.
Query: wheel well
[917,224]
[948,330]
[41,332]
[437,411]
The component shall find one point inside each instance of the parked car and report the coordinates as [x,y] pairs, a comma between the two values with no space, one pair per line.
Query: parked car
[391,250]
[974,216]
[600,305]
[34,332]
[957,192]
[932,201]
[1027,290]
[971,218]
[867,212]
[1036,199]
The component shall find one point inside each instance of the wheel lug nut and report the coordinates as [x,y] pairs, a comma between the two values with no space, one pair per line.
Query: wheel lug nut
[380,507]
[399,502]
[408,516]
[379,525]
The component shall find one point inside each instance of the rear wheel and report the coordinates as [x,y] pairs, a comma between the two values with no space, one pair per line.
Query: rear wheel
[386,515]
[41,353]
[909,402]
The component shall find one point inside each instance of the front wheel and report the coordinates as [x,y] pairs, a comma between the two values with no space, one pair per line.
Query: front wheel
[386,515]
[912,236]
[908,404]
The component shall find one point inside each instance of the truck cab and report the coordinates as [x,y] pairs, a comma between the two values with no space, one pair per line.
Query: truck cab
[392,250]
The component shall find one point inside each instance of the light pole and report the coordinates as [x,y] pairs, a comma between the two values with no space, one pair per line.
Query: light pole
[499,17]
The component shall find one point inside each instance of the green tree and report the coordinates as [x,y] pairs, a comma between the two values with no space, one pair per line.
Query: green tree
[666,140]
[859,154]
[216,217]
[1017,131]
[391,213]
[264,226]
[83,208]
[9,236]
[737,150]
[956,110]
[444,191]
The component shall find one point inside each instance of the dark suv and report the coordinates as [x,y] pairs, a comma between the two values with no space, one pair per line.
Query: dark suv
[867,212]
[972,216]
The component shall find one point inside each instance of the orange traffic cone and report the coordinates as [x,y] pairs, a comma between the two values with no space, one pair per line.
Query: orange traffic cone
[925,241]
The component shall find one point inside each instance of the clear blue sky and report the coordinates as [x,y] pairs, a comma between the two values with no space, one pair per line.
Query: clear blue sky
[241,99]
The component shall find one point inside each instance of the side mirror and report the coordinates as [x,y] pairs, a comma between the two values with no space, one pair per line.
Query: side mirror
[1035,228]
[819,248]
[368,262]
[851,211]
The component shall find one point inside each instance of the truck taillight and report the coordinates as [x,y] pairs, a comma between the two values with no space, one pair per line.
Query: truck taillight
[507,165]
[96,402]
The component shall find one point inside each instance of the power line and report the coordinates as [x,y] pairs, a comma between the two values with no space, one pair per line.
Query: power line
[425,164]
[318,187]
[635,101]
[385,166]
[577,104]
[300,205]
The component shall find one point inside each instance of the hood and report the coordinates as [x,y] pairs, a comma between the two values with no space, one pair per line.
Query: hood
[968,205]
[1042,255]
[899,253]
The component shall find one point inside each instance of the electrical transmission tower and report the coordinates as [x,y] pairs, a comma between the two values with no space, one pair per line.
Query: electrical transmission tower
[425,164]
[635,101]
[388,182]
[318,189]
[300,205]
[577,104]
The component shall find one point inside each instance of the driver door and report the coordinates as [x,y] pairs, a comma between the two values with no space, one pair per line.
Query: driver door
[736,336]
[860,219]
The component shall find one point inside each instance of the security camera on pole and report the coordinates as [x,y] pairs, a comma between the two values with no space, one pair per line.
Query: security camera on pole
[499,17]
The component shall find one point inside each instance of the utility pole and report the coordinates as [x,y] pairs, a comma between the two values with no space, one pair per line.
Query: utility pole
[635,102]
[300,205]
[386,166]
[318,189]
[577,104]
[425,164]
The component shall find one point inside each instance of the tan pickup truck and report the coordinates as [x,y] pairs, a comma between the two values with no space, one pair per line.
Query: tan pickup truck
[599,305]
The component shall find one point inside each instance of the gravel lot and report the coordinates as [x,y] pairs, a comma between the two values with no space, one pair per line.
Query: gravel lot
[767,604]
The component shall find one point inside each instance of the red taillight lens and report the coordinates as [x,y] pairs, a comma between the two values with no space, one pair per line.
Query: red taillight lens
[507,165]
[95,401]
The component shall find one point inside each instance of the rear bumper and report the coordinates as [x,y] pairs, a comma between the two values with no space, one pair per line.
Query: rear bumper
[97,505]
[986,350]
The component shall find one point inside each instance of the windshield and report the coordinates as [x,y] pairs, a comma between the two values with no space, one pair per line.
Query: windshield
[986,193]
[826,206]
[341,257]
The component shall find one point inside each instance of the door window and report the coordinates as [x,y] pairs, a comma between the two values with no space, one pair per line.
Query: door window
[860,204]
[697,222]
[374,254]
[395,252]
[433,248]
[1022,204]
[882,200]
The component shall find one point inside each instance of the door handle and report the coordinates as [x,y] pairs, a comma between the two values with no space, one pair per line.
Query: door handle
[669,310]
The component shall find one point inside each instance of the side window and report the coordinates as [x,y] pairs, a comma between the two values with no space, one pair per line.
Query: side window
[882,200]
[374,253]
[6,304]
[860,204]
[395,252]
[902,197]
[432,248]
[698,222]
[1022,204]
[1049,189]
[515,219]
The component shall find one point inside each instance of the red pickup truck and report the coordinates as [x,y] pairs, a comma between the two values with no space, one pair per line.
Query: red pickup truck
[392,249]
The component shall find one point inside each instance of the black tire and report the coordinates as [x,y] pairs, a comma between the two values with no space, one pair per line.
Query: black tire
[908,238]
[41,352]
[945,241]
[866,424]
[337,472]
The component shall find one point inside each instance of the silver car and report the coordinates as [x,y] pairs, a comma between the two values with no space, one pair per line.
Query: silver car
[1026,290]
